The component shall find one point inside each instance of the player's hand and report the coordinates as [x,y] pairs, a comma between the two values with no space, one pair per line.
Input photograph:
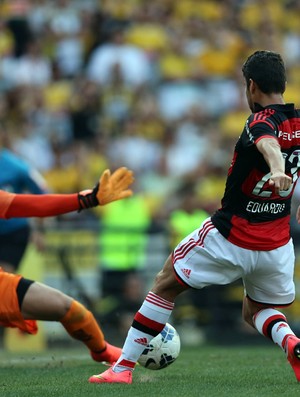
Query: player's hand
[114,186]
[111,187]
[280,181]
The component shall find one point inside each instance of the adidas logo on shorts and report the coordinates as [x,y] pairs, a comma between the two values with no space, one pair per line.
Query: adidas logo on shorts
[186,272]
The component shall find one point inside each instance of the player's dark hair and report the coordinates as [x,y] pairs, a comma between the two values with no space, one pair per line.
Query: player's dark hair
[267,70]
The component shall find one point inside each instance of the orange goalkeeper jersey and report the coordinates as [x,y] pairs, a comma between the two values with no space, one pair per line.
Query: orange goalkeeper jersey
[42,205]
[10,313]
[5,201]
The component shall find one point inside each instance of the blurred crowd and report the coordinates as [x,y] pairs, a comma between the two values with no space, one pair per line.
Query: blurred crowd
[153,85]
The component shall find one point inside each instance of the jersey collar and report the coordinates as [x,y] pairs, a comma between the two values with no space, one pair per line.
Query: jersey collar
[276,106]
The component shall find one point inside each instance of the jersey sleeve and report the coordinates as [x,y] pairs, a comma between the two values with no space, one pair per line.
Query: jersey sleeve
[30,205]
[5,202]
[257,127]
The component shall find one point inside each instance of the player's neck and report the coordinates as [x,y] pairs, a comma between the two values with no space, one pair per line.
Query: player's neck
[272,99]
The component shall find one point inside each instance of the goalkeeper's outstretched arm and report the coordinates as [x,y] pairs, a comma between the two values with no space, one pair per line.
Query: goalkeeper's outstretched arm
[111,187]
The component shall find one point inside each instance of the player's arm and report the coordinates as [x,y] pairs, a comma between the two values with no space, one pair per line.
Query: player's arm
[111,187]
[270,149]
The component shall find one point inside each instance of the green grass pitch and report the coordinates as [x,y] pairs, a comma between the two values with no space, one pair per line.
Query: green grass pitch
[204,371]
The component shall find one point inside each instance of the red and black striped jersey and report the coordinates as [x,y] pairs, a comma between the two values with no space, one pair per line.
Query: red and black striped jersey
[252,216]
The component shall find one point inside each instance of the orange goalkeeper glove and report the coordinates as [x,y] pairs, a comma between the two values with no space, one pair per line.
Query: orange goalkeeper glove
[114,186]
[111,187]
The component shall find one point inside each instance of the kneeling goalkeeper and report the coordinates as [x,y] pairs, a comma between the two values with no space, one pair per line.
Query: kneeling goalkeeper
[24,301]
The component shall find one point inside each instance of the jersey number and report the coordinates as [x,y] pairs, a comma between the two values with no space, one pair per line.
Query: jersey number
[259,187]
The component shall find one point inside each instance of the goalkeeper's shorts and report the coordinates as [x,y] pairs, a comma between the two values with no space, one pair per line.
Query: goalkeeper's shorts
[13,288]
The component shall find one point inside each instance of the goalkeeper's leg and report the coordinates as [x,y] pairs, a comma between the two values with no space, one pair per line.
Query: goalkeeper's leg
[42,302]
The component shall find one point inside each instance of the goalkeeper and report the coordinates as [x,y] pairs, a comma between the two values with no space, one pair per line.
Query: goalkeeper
[110,188]
[24,301]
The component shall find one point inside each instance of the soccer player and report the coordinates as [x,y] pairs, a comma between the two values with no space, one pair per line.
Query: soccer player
[24,301]
[248,238]
[16,176]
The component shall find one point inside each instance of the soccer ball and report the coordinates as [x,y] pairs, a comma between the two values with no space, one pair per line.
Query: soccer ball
[162,350]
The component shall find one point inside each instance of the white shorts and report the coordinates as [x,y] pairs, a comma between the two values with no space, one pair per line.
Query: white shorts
[205,258]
